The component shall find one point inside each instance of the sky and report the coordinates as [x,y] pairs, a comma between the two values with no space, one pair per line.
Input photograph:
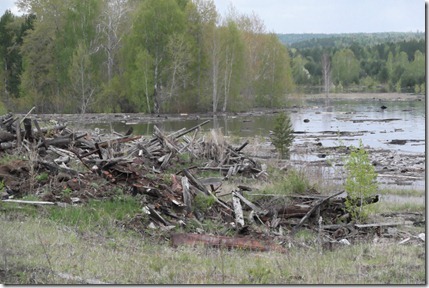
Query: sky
[333,16]
[323,16]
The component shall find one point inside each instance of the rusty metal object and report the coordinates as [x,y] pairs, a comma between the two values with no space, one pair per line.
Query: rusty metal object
[224,242]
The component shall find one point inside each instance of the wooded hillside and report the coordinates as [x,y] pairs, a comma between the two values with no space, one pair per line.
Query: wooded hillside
[369,62]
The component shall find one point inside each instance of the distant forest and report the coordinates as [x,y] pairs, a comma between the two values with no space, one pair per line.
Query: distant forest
[382,62]
[179,56]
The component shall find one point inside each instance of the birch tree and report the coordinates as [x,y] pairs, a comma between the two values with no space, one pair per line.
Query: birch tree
[113,27]
[326,73]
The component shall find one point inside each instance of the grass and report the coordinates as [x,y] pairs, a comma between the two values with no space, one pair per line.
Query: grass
[43,248]
[402,192]
[95,213]
[399,207]
[91,241]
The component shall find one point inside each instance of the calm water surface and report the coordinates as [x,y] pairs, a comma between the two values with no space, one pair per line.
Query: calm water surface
[406,121]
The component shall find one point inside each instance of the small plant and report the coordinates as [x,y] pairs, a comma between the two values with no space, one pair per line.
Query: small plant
[203,202]
[282,136]
[298,182]
[361,182]
[42,177]
[66,192]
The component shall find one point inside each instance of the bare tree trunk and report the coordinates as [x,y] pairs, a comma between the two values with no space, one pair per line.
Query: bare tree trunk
[326,71]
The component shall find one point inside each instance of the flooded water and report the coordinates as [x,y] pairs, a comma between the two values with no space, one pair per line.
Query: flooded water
[326,124]
[354,119]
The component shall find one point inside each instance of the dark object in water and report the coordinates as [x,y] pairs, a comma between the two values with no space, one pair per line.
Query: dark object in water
[383,107]
[306,120]
[397,142]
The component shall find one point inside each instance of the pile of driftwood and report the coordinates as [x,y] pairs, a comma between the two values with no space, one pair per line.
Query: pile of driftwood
[64,167]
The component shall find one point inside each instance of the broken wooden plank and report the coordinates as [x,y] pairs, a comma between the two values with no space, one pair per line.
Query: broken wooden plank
[387,224]
[248,203]
[155,215]
[186,194]
[192,129]
[224,242]
[195,182]
[29,202]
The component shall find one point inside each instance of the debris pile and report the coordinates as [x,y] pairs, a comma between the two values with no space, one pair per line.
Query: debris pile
[67,167]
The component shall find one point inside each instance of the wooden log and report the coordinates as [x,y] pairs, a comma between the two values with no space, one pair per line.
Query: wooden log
[58,142]
[111,142]
[7,145]
[6,136]
[186,194]
[18,134]
[164,139]
[28,130]
[42,137]
[166,160]
[155,215]
[238,211]
[241,146]
[224,242]
[195,182]
[250,204]
[192,129]
[55,168]
[387,224]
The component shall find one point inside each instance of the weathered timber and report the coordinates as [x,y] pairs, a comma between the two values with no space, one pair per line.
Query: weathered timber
[238,211]
[54,168]
[29,202]
[192,129]
[186,194]
[42,137]
[238,149]
[250,204]
[195,182]
[6,136]
[28,130]
[387,224]
[224,242]
[111,142]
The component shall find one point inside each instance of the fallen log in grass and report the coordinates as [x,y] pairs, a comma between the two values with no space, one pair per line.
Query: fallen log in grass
[224,242]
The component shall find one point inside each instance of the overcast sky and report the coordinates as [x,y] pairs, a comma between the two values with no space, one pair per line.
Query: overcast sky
[323,16]
[334,16]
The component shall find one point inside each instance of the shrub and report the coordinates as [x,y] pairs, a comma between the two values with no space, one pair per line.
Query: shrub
[282,136]
[361,182]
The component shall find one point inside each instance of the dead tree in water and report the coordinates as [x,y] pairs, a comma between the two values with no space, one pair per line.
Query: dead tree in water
[326,72]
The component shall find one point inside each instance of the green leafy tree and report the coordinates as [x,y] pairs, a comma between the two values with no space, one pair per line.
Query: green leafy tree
[345,67]
[361,182]
[155,21]
[232,64]
[282,136]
